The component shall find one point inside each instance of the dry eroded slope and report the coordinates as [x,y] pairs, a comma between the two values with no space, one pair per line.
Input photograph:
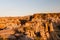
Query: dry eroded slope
[32,27]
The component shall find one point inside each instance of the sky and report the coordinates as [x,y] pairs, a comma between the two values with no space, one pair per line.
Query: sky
[28,7]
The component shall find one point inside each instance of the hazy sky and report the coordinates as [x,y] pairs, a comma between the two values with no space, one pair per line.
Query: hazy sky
[26,7]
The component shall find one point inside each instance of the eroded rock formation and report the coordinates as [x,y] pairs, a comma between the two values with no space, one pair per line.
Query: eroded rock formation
[32,27]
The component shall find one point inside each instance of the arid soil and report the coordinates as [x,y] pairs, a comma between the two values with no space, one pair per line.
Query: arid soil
[31,27]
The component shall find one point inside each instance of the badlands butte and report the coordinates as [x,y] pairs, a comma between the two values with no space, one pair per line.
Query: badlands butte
[32,27]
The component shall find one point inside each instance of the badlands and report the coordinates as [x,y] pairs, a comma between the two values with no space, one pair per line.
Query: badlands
[32,27]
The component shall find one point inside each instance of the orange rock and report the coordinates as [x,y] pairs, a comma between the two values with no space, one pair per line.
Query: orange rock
[2,25]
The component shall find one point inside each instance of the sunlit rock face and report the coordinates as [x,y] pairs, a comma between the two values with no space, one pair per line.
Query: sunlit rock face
[32,27]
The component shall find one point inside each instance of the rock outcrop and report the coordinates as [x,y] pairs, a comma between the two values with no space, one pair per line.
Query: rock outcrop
[32,27]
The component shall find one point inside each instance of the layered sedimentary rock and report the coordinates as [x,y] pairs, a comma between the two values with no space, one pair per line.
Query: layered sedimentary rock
[32,27]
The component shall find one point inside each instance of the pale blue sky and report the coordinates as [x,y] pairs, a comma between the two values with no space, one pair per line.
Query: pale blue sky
[27,7]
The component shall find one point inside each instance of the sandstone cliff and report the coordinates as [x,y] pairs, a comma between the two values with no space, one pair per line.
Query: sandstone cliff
[32,27]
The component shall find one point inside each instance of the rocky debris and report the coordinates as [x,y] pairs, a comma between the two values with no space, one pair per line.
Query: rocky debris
[32,27]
